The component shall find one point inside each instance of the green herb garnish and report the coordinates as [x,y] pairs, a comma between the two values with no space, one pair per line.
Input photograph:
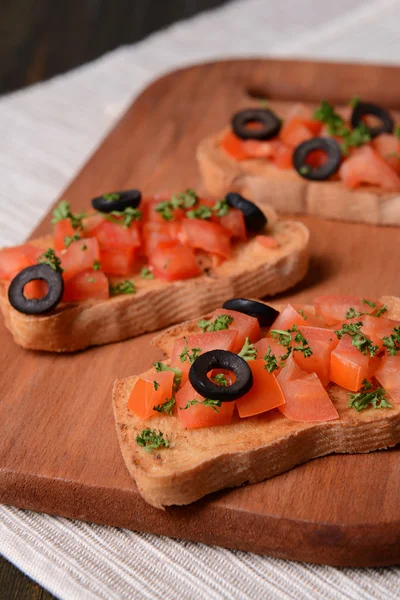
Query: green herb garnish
[184,200]
[166,407]
[397,131]
[214,404]
[84,247]
[271,364]
[392,342]
[354,101]
[380,311]
[220,379]
[369,303]
[150,440]
[71,238]
[201,212]
[301,313]
[97,266]
[63,211]
[248,351]
[358,339]
[50,258]
[111,197]
[368,396]
[221,322]
[145,273]
[221,208]
[123,287]
[91,280]
[160,366]
[284,338]
[305,170]
[186,355]
[156,385]
[124,217]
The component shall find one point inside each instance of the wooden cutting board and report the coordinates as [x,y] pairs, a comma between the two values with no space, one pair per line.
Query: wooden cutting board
[58,448]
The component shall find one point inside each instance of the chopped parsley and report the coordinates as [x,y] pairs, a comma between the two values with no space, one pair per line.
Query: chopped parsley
[123,287]
[96,265]
[113,197]
[184,200]
[397,131]
[150,440]
[284,337]
[91,280]
[271,364]
[353,314]
[186,355]
[301,313]
[145,273]
[369,303]
[166,407]
[248,351]
[63,211]
[368,396]
[305,170]
[165,209]
[354,101]
[84,247]
[377,312]
[156,385]
[214,404]
[221,207]
[124,217]
[326,113]
[160,366]
[220,379]
[336,127]
[380,311]
[50,258]
[392,342]
[358,339]
[201,212]
[221,322]
[71,238]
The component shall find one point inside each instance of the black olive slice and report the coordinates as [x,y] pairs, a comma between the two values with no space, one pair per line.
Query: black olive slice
[254,217]
[220,359]
[36,306]
[265,314]
[328,145]
[363,108]
[117,201]
[270,124]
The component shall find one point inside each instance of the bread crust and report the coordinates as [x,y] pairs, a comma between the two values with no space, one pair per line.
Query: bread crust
[287,192]
[202,461]
[251,271]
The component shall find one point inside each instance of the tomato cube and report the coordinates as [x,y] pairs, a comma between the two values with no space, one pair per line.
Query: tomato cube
[265,393]
[198,415]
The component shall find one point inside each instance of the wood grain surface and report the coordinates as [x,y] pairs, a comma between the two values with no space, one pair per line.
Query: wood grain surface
[58,448]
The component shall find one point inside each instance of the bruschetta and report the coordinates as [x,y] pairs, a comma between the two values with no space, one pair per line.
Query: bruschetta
[338,163]
[251,390]
[136,265]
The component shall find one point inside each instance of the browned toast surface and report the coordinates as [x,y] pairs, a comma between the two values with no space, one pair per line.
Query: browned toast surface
[253,270]
[286,191]
[201,461]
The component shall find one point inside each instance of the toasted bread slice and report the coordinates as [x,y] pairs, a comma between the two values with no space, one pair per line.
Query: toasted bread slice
[201,461]
[253,270]
[287,192]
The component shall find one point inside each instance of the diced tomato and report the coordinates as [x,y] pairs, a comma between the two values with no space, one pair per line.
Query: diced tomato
[14,260]
[267,241]
[118,261]
[207,236]
[245,325]
[86,285]
[305,396]
[144,395]
[113,235]
[213,340]
[333,309]
[154,233]
[235,223]
[275,348]
[79,256]
[264,395]
[289,317]
[296,130]
[198,415]
[234,146]
[91,223]
[322,342]
[62,229]
[388,375]
[151,214]
[259,148]
[173,260]
[388,147]
[283,157]
[349,367]
[366,166]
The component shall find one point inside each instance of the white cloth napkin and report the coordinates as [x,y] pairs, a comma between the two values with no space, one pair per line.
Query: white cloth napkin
[47,132]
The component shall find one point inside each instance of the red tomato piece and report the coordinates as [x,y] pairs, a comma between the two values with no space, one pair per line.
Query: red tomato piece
[14,260]
[376,328]
[91,223]
[113,235]
[322,342]
[156,233]
[259,149]
[151,214]
[276,349]
[388,147]
[264,395]
[366,166]
[245,325]
[207,236]
[172,261]
[144,395]
[118,261]
[214,340]
[287,318]
[349,367]
[267,241]
[388,375]
[234,222]
[86,285]
[333,309]
[199,415]
[234,146]
[306,399]
[283,157]
[296,130]
[62,229]
[79,256]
